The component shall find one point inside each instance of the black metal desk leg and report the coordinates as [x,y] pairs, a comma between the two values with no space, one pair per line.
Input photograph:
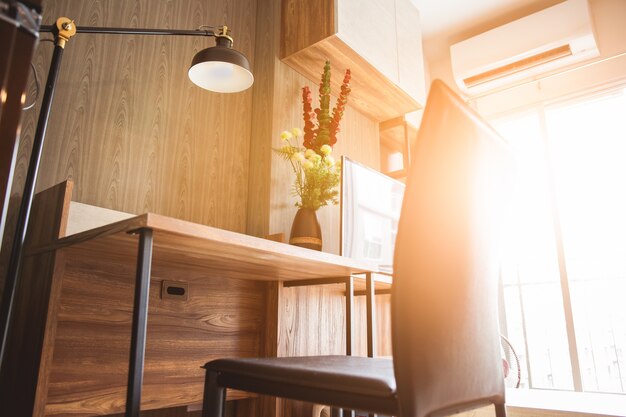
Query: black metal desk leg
[140,320]
[370,295]
[349,313]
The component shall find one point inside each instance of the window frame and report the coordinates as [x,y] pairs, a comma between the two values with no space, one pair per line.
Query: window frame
[540,109]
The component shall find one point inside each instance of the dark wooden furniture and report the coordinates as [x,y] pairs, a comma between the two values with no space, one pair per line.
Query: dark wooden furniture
[79,290]
[445,339]
[19,41]
[19,24]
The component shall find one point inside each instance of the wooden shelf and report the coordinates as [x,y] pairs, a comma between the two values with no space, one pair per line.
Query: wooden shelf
[381,44]
[396,135]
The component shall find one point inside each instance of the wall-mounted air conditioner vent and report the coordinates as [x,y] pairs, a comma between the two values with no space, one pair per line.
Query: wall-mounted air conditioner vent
[545,41]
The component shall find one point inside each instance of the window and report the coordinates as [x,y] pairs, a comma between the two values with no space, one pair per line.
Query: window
[564,265]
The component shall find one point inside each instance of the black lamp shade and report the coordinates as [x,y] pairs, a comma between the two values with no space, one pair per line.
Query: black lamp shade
[221,69]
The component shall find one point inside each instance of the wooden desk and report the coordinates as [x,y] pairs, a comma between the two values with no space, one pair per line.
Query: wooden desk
[168,248]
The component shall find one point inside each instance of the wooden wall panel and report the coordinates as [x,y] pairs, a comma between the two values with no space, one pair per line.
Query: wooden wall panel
[131,129]
[90,362]
[263,118]
[313,322]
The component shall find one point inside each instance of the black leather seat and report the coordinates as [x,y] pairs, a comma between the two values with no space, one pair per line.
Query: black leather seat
[445,339]
[348,381]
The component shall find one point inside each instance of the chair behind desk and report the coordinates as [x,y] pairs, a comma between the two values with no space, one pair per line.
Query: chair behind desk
[446,355]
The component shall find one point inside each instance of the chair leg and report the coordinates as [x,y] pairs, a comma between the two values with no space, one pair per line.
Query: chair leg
[214,396]
[336,412]
[500,410]
[342,412]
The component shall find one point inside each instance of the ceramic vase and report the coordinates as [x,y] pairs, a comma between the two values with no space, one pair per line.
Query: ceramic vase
[305,230]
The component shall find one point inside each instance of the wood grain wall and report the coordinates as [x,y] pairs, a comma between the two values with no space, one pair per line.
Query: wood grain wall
[88,374]
[131,129]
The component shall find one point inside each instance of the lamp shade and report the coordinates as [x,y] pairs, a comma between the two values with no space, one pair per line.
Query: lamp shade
[221,69]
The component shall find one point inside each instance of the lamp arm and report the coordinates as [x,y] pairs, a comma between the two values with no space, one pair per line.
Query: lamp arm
[204,30]
[134,31]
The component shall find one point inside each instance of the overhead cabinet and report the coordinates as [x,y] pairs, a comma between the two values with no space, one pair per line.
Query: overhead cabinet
[380,42]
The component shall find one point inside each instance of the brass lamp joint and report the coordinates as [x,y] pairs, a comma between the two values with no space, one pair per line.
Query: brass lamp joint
[225,33]
[65,30]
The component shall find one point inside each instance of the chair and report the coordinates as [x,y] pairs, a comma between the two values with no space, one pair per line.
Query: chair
[445,340]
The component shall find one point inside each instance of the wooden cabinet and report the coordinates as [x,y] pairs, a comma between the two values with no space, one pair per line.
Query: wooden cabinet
[380,43]
[410,54]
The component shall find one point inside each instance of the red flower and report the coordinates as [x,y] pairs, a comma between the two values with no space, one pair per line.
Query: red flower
[309,118]
[320,128]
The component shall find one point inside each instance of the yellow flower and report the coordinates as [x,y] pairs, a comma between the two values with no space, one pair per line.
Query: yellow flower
[326,149]
[308,164]
[298,157]
[310,153]
[288,149]
[315,158]
[286,135]
[296,132]
[329,161]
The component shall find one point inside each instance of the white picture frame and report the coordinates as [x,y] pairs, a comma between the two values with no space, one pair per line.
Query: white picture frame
[370,209]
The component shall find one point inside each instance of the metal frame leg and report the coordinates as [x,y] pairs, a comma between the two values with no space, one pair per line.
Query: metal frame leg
[349,313]
[370,295]
[140,321]
[214,396]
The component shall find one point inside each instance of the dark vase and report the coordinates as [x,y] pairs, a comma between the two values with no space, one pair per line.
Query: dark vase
[305,230]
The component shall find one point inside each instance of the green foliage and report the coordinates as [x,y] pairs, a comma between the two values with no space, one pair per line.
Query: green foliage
[317,174]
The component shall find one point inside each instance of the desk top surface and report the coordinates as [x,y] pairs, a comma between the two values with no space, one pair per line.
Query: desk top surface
[203,248]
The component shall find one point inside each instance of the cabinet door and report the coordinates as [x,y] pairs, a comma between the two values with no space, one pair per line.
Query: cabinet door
[369,28]
[410,54]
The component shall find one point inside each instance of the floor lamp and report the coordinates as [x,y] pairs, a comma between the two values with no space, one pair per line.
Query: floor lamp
[219,68]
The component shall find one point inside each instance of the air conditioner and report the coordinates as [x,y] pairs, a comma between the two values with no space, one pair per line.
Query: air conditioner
[536,44]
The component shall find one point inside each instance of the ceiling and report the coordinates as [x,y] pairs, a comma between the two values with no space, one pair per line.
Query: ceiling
[444,22]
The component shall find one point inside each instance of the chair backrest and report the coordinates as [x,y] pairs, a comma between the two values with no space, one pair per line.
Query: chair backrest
[446,348]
